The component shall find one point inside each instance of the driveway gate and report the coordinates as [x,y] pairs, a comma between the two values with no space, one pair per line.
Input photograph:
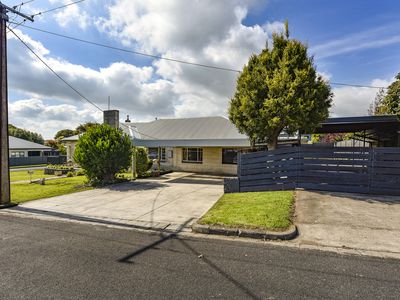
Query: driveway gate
[341,169]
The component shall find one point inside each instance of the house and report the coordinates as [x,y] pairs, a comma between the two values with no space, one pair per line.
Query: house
[23,148]
[202,144]
[23,152]
[205,144]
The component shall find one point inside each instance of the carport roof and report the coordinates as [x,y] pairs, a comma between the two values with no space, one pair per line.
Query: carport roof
[358,124]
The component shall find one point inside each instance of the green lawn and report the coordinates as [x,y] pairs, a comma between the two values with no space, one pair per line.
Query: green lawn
[265,210]
[21,192]
[23,175]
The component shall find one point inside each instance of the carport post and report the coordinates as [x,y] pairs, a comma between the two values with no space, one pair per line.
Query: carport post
[158,160]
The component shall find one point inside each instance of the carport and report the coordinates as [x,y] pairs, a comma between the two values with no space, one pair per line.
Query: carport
[380,131]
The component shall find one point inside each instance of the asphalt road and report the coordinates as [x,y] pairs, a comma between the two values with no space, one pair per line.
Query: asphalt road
[42,259]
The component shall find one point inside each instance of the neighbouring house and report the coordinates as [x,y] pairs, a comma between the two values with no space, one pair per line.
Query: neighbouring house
[203,144]
[23,148]
[23,152]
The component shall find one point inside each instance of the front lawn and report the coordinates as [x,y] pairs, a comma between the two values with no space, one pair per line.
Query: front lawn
[23,175]
[21,192]
[264,210]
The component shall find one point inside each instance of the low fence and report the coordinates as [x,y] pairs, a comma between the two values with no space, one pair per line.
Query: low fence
[37,160]
[341,169]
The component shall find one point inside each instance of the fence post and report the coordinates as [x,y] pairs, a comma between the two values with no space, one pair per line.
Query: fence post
[239,166]
[370,168]
[296,184]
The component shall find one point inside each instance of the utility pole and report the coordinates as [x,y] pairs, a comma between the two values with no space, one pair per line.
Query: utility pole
[5,200]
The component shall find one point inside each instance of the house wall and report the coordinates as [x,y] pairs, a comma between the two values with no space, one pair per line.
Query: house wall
[70,146]
[212,162]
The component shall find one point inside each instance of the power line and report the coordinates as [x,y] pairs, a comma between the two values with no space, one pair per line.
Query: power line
[22,3]
[54,72]
[131,51]
[56,8]
[70,86]
[16,24]
[358,85]
[167,58]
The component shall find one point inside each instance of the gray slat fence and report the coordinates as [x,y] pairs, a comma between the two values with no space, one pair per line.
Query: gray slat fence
[342,169]
[37,160]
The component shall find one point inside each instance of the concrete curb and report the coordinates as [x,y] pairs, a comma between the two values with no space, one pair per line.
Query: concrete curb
[288,234]
[8,205]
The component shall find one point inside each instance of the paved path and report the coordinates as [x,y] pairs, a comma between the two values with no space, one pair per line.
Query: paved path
[65,260]
[27,168]
[367,224]
[37,179]
[166,202]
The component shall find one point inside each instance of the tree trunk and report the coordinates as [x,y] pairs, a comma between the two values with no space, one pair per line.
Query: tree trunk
[253,144]
[272,144]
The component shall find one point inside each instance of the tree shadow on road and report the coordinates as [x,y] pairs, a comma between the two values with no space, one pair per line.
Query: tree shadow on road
[164,237]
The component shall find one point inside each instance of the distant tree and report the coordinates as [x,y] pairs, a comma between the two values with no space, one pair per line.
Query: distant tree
[103,152]
[85,127]
[25,134]
[56,145]
[392,97]
[279,89]
[51,143]
[378,107]
[330,137]
[63,133]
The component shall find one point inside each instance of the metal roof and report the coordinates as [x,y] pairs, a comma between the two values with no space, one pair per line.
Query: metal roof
[203,128]
[17,143]
[355,124]
[71,138]
[185,132]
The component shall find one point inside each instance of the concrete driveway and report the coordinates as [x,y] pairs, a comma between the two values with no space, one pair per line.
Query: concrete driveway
[173,201]
[364,223]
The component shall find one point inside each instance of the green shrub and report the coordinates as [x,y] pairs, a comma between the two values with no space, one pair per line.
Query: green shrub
[103,152]
[143,162]
[70,174]
[80,173]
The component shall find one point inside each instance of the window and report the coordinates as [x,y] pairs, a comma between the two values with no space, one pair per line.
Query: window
[17,154]
[153,153]
[192,155]
[229,156]
[34,153]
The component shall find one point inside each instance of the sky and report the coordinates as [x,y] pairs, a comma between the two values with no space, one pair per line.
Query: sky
[354,42]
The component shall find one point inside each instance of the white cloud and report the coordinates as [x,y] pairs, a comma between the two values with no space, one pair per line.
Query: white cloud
[72,14]
[132,89]
[36,115]
[355,101]
[204,32]
[369,39]
[274,27]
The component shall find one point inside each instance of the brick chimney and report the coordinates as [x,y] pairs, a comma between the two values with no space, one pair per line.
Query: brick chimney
[111,117]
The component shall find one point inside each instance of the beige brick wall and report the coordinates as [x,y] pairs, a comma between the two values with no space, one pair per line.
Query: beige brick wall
[212,162]
[70,145]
